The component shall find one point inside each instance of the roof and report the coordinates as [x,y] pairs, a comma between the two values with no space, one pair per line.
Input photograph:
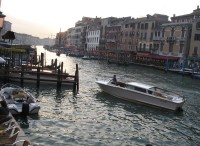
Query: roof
[141,85]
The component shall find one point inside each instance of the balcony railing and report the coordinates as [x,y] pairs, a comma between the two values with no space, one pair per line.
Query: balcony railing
[157,38]
[171,39]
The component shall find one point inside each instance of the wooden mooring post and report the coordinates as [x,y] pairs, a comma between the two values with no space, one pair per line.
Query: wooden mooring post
[22,76]
[59,79]
[38,77]
[6,73]
[76,81]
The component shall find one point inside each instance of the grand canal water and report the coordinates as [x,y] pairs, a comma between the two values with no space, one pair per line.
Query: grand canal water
[96,118]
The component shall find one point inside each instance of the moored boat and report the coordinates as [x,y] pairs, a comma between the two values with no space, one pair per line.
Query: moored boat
[143,93]
[18,100]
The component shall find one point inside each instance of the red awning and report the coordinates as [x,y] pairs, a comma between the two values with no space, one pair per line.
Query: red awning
[155,56]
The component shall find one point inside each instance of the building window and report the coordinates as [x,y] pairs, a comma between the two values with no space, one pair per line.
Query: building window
[146,25]
[155,33]
[150,46]
[138,26]
[151,37]
[158,33]
[145,35]
[140,46]
[152,26]
[195,50]
[126,33]
[163,32]
[181,48]
[197,37]
[144,47]
[182,32]
[198,25]
[138,34]
[172,31]
[142,26]
[170,48]
[133,25]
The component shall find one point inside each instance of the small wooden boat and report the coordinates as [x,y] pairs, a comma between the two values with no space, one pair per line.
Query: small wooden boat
[143,93]
[18,100]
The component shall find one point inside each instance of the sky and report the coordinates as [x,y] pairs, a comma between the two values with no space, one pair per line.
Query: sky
[45,18]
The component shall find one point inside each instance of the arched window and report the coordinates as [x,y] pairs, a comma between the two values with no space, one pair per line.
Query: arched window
[144,47]
[150,46]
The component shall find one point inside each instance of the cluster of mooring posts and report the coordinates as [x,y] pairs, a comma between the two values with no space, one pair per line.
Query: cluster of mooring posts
[36,72]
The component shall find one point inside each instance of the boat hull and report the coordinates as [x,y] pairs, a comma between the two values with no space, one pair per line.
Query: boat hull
[16,111]
[138,97]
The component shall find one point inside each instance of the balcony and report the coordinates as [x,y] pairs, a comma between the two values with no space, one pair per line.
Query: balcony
[111,40]
[157,38]
[194,55]
[182,40]
[171,39]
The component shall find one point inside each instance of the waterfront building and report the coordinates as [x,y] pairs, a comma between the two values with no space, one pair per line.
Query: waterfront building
[104,23]
[76,36]
[113,33]
[60,38]
[138,34]
[69,36]
[193,19]
[175,41]
[153,37]
[93,38]
[182,38]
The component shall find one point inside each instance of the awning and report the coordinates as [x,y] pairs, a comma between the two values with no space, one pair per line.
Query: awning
[155,56]
[194,58]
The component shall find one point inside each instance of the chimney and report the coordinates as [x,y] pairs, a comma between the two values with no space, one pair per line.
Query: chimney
[197,7]
[174,15]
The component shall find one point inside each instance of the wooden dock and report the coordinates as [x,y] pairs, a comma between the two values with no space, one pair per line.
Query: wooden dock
[53,74]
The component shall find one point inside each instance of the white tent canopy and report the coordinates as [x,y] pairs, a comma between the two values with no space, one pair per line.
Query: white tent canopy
[2,60]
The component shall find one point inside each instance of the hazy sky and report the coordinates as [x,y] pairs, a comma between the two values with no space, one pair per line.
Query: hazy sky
[44,18]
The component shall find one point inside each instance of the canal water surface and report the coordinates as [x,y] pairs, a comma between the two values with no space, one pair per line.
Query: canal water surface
[96,118]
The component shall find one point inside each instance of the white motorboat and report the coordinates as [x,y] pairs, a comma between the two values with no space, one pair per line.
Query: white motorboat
[18,100]
[143,93]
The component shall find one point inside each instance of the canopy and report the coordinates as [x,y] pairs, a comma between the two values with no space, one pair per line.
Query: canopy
[155,56]
[2,60]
